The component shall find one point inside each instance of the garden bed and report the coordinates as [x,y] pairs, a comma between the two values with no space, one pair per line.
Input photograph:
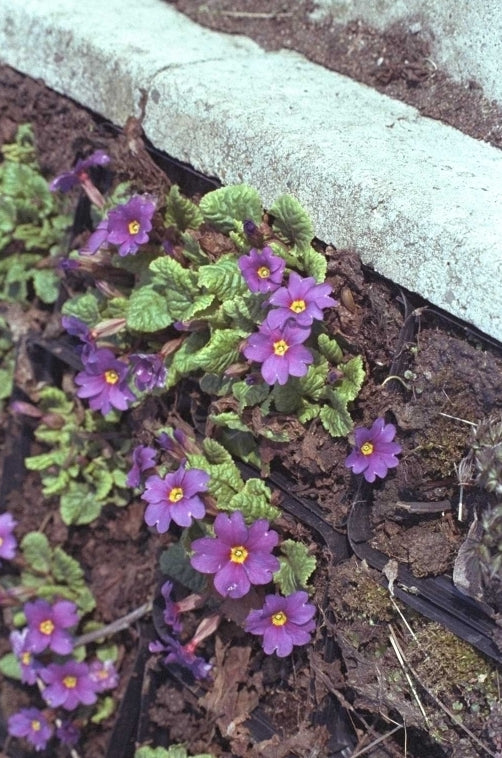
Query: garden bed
[430,375]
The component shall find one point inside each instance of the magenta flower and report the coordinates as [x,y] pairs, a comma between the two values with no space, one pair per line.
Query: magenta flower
[31,724]
[29,665]
[280,351]
[302,299]
[183,655]
[79,173]
[128,226]
[283,622]
[97,239]
[171,613]
[47,625]
[239,555]
[68,733]
[8,542]
[175,498]
[374,453]
[68,685]
[143,458]
[104,382]
[104,675]
[149,371]
[262,270]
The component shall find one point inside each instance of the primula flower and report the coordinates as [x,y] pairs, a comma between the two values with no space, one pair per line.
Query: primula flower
[128,226]
[79,174]
[104,382]
[374,453]
[47,625]
[183,655]
[302,299]
[279,350]
[239,555]
[8,542]
[175,498]
[31,724]
[283,622]
[149,371]
[171,609]
[68,685]
[104,675]
[143,458]
[29,665]
[68,733]
[262,270]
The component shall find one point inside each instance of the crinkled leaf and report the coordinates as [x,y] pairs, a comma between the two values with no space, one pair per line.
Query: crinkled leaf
[221,351]
[287,397]
[314,382]
[175,563]
[250,394]
[6,383]
[7,214]
[245,310]
[329,348]
[147,311]
[308,411]
[223,278]
[314,264]
[296,568]
[253,500]
[55,484]
[101,479]
[229,420]
[181,212]
[45,460]
[79,506]
[185,359]
[37,552]
[9,666]
[214,384]
[353,378]
[225,206]
[65,568]
[214,452]
[104,709]
[335,418]
[46,283]
[192,250]
[292,222]
[85,307]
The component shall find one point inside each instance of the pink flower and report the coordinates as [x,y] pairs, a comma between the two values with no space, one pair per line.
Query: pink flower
[374,452]
[175,498]
[280,350]
[31,724]
[262,270]
[238,556]
[302,300]
[48,625]
[104,382]
[283,622]
[68,685]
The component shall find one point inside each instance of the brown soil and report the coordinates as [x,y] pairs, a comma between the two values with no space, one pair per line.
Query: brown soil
[350,689]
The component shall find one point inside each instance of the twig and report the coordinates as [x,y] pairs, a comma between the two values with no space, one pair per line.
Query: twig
[402,660]
[116,626]
[378,741]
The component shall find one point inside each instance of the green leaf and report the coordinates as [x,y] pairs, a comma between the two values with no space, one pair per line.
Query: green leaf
[313,383]
[100,479]
[46,283]
[314,264]
[253,500]
[192,250]
[45,460]
[225,481]
[66,569]
[7,214]
[308,411]
[78,506]
[335,418]
[223,278]
[223,207]
[214,384]
[174,562]
[287,397]
[221,351]
[292,222]
[229,420]
[216,453]
[245,310]
[85,307]
[181,212]
[147,311]
[353,378]
[37,552]
[105,707]
[296,568]
[185,359]
[250,394]
[329,348]
[9,666]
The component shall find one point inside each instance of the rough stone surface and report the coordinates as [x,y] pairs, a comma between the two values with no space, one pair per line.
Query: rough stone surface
[466,35]
[418,200]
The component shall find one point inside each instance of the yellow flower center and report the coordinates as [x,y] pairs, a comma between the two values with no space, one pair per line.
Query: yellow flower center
[46,627]
[238,554]
[175,495]
[297,306]
[280,347]
[111,377]
[366,448]
[263,272]
[26,658]
[279,618]
[133,227]
[70,682]
[36,725]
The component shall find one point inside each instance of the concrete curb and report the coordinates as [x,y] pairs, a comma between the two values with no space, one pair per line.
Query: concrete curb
[418,200]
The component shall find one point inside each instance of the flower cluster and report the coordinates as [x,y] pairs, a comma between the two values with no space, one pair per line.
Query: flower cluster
[63,683]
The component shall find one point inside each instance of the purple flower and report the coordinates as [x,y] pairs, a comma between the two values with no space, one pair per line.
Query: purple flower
[262,270]
[149,371]
[128,226]
[8,542]
[143,458]
[171,609]
[175,497]
[79,173]
[30,667]
[68,733]
[239,556]
[104,675]
[68,685]
[302,299]
[104,381]
[97,239]
[183,655]
[47,625]
[374,453]
[280,351]
[283,622]
[31,724]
